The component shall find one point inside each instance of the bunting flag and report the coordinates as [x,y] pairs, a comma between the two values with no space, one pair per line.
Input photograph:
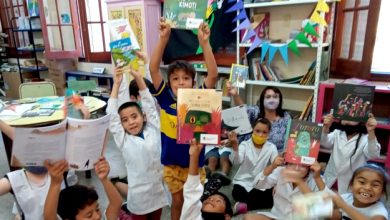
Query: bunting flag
[264,50]
[310,29]
[322,6]
[249,34]
[302,39]
[294,47]
[255,44]
[243,25]
[271,54]
[238,6]
[240,16]
[316,18]
[283,51]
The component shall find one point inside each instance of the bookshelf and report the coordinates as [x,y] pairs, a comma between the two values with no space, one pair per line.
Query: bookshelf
[381,110]
[285,17]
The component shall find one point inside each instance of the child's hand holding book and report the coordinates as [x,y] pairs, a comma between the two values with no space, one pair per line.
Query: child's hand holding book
[203,34]
[164,29]
[102,168]
[56,170]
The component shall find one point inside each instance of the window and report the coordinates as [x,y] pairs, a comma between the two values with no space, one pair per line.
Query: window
[96,38]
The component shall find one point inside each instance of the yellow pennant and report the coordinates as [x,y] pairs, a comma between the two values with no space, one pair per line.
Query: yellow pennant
[316,18]
[209,11]
[322,6]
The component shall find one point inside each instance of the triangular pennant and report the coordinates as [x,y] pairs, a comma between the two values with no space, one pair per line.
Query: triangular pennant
[199,50]
[250,33]
[294,47]
[284,53]
[264,49]
[322,6]
[240,16]
[302,39]
[255,44]
[271,54]
[238,6]
[310,29]
[243,25]
[316,18]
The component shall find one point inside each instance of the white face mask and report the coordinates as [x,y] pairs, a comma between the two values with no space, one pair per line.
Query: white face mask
[271,103]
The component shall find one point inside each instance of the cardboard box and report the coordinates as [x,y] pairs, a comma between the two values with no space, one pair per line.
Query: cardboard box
[11,84]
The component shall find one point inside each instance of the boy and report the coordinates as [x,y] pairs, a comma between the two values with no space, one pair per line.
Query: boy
[214,207]
[181,74]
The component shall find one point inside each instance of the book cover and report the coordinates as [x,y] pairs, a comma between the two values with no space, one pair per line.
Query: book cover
[185,14]
[238,75]
[235,119]
[119,29]
[80,142]
[199,115]
[352,102]
[315,205]
[302,142]
[122,52]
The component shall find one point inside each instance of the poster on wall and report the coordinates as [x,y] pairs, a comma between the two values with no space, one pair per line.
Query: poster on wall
[135,14]
[116,13]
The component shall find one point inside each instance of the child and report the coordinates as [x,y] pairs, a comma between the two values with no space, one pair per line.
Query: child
[214,207]
[79,202]
[350,150]
[368,185]
[253,156]
[288,181]
[181,74]
[138,137]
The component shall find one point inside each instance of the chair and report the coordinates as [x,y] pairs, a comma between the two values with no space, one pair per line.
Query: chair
[36,89]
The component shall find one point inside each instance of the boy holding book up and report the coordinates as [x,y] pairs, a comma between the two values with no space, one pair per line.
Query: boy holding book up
[181,74]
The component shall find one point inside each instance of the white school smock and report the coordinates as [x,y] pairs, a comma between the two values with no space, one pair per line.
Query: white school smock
[340,167]
[31,199]
[373,210]
[142,158]
[251,163]
[192,205]
[284,192]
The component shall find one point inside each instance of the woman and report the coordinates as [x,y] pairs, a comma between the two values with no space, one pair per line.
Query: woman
[269,106]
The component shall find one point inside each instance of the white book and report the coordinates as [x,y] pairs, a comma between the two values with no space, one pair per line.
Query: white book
[236,119]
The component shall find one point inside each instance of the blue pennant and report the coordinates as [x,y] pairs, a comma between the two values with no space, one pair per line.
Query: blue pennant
[230,1]
[240,16]
[284,53]
[245,24]
[250,33]
[238,6]
[264,49]
[255,44]
[271,54]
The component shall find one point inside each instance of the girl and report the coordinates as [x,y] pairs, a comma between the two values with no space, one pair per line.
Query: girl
[296,180]
[351,148]
[253,155]
[138,137]
[269,106]
[368,185]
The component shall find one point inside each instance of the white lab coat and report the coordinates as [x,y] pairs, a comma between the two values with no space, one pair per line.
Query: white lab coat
[251,163]
[284,192]
[192,205]
[340,166]
[142,158]
[376,209]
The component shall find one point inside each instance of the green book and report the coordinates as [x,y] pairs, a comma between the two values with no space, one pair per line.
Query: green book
[185,14]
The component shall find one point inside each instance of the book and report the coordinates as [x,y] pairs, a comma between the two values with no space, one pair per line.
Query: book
[185,14]
[199,116]
[238,75]
[352,102]
[78,141]
[235,119]
[119,29]
[315,205]
[122,52]
[307,108]
[302,142]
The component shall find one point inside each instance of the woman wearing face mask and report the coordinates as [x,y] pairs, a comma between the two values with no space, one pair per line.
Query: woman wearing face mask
[351,148]
[269,106]
[252,156]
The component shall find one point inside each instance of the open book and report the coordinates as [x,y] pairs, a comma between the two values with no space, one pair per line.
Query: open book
[235,119]
[80,142]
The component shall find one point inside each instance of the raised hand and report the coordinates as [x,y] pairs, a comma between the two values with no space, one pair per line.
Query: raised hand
[232,91]
[118,75]
[56,170]
[371,123]
[102,168]
[142,55]
[195,148]
[203,33]
[164,29]
[279,161]
[316,169]
[327,120]
[233,140]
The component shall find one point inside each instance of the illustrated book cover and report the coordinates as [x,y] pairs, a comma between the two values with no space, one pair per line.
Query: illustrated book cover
[352,102]
[78,141]
[238,75]
[235,119]
[302,142]
[199,115]
[185,14]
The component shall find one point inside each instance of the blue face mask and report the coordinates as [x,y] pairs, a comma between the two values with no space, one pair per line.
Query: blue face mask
[36,169]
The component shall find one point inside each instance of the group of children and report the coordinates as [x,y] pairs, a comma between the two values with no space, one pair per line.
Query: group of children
[145,132]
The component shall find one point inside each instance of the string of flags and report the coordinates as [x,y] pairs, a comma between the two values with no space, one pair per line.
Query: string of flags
[271,49]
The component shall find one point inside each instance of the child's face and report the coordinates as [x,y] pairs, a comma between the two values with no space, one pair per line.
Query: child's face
[367,188]
[300,170]
[180,79]
[261,130]
[90,212]
[215,204]
[132,120]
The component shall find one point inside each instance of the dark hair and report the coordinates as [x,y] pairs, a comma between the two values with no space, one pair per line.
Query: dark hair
[279,110]
[129,105]
[134,90]
[181,65]
[375,168]
[262,121]
[73,199]
[361,129]
[228,205]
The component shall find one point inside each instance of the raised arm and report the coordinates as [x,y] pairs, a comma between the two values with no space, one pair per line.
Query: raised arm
[56,172]
[102,168]
[270,175]
[155,60]
[237,155]
[232,91]
[327,139]
[372,148]
[8,130]
[211,64]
